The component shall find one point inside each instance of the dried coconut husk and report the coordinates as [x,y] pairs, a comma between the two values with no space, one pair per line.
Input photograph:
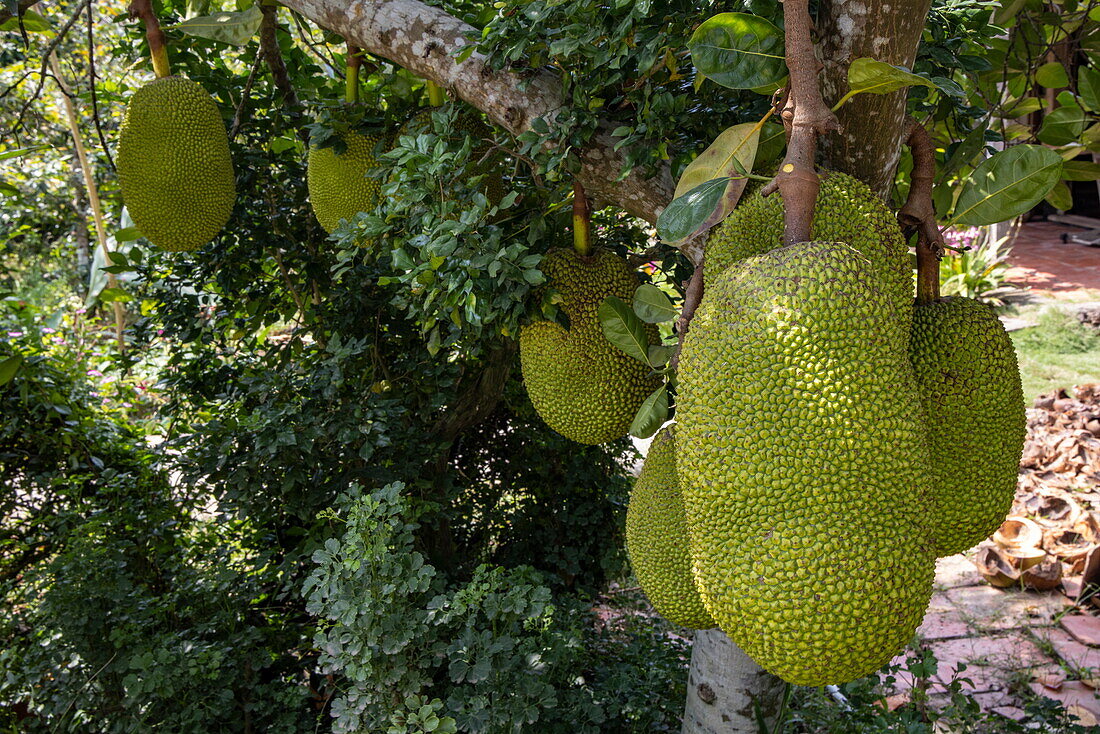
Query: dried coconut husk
[1069,545]
[1044,576]
[1017,532]
[995,567]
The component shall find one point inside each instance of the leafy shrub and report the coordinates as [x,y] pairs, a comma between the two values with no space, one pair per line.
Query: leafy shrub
[979,271]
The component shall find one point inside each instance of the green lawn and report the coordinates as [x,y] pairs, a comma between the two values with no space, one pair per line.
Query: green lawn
[1057,352]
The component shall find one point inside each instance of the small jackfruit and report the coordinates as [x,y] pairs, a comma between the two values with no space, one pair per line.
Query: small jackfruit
[339,187]
[974,404]
[803,464]
[174,166]
[846,211]
[580,384]
[657,540]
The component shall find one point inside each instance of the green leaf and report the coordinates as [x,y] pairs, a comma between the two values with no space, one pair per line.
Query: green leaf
[1060,197]
[1080,171]
[965,151]
[236,29]
[1052,76]
[8,154]
[732,154]
[739,51]
[1088,88]
[868,76]
[686,214]
[623,328]
[111,295]
[128,234]
[32,23]
[1025,106]
[1061,126]
[652,415]
[1007,185]
[9,367]
[659,355]
[652,305]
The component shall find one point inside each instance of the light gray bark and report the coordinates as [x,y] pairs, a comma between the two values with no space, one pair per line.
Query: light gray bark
[726,688]
[425,40]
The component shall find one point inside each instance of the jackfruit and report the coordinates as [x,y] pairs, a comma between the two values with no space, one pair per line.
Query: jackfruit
[803,464]
[174,166]
[974,404]
[846,211]
[657,541]
[339,187]
[585,388]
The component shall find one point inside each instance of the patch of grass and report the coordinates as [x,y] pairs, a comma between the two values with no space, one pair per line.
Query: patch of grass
[1058,352]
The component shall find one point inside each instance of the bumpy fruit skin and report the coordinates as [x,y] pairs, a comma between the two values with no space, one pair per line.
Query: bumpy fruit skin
[974,403]
[657,540]
[580,384]
[174,166]
[339,187]
[846,211]
[804,466]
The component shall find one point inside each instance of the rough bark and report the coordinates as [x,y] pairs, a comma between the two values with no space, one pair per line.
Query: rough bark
[871,125]
[425,40]
[726,688]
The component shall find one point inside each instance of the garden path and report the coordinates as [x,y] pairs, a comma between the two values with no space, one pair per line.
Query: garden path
[1042,262]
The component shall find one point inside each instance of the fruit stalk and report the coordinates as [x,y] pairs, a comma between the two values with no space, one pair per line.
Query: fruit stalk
[582,221]
[436,96]
[919,212]
[158,47]
[351,92]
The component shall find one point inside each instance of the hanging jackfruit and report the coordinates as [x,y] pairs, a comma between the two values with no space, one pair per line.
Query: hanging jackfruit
[174,166]
[339,187]
[803,464]
[580,384]
[974,404]
[657,540]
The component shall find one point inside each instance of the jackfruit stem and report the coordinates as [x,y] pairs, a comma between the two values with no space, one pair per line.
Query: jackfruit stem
[805,116]
[158,48]
[351,91]
[582,221]
[919,212]
[693,295]
[436,96]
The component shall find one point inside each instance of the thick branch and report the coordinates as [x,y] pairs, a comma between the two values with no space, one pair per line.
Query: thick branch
[269,46]
[425,40]
[805,116]
[919,212]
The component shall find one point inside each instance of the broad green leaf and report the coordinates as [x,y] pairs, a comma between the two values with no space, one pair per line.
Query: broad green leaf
[773,139]
[8,189]
[652,305]
[1062,125]
[1060,197]
[652,415]
[1088,88]
[32,23]
[236,29]
[623,328]
[739,51]
[9,367]
[685,215]
[1007,185]
[1080,171]
[1052,76]
[1025,106]
[18,152]
[730,155]
[111,295]
[868,76]
[659,355]
[965,152]
[128,234]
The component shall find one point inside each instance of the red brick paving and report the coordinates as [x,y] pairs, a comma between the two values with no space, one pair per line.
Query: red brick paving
[1041,261]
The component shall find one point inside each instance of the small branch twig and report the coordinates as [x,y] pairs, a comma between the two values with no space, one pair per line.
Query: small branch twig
[91,87]
[158,45]
[693,294]
[919,213]
[805,116]
[242,108]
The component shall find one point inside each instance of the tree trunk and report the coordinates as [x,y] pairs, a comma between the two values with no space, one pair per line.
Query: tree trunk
[726,689]
[871,125]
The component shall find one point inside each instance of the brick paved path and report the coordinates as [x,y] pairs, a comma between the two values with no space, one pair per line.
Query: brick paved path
[1042,261]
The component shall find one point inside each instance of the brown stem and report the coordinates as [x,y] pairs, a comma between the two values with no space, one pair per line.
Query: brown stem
[241,113]
[269,45]
[693,294]
[158,48]
[582,220]
[919,213]
[805,116]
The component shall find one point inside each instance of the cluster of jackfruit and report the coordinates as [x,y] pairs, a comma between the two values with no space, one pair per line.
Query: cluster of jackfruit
[832,439]
[585,388]
[174,166]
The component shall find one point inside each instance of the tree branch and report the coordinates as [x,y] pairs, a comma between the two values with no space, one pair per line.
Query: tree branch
[919,213]
[805,115]
[425,40]
[693,294]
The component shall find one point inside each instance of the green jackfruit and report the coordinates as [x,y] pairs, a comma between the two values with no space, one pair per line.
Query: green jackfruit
[804,465]
[657,540]
[846,211]
[974,404]
[580,384]
[339,187]
[174,166]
